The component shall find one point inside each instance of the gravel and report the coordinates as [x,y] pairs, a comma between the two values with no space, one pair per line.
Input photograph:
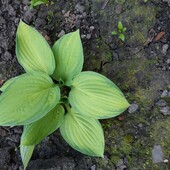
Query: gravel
[133,108]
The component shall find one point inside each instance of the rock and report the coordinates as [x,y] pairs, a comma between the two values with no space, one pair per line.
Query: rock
[161,103]
[165,110]
[67,14]
[79,8]
[92,28]
[88,36]
[121,165]
[93,167]
[62,32]
[157,154]
[133,108]
[119,9]
[164,94]
[164,49]
[168,61]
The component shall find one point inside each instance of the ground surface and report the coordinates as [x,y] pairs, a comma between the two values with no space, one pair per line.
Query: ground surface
[138,139]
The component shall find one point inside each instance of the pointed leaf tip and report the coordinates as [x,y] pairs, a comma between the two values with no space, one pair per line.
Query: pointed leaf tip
[68,53]
[96,96]
[26,154]
[83,134]
[32,50]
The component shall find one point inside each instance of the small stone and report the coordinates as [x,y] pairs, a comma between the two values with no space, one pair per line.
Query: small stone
[157,154]
[88,36]
[161,103]
[83,36]
[119,9]
[166,160]
[164,94]
[168,61]
[140,125]
[164,49]
[121,165]
[62,32]
[79,8]
[67,14]
[165,110]
[93,167]
[91,28]
[133,108]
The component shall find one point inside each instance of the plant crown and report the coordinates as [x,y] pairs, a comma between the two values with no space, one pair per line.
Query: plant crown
[54,93]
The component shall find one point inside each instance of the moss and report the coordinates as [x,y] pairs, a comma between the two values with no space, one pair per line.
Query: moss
[160,133]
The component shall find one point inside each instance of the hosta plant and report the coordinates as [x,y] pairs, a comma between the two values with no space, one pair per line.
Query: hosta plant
[54,93]
[120,31]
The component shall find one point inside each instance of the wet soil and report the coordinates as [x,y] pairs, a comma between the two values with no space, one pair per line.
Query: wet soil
[137,139]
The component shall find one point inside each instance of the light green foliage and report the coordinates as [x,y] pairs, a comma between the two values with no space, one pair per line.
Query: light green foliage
[34,133]
[96,96]
[26,153]
[35,100]
[120,31]
[30,97]
[83,133]
[69,61]
[38,2]
[33,56]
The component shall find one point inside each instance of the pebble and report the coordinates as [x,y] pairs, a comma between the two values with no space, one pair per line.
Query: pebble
[121,165]
[164,49]
[119,9]
[88,36]
[157,154]
[67,14]
[161,103]
[83,36]
[91,28]
[168,61]
[165,110]
[93,167]
[164,94]
[62,32]
[79,8]
[133,108]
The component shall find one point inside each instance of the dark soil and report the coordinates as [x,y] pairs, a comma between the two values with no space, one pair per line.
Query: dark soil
[140,67]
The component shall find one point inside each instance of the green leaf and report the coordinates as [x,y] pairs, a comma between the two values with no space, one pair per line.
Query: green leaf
[122,37]
[32,50]
[124,29]
[83,134]
[96,96]
[7,83]
[68,53]
[120,26]
[114,33]
[26,153]
[30,97]
[34,133]
[38,2]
